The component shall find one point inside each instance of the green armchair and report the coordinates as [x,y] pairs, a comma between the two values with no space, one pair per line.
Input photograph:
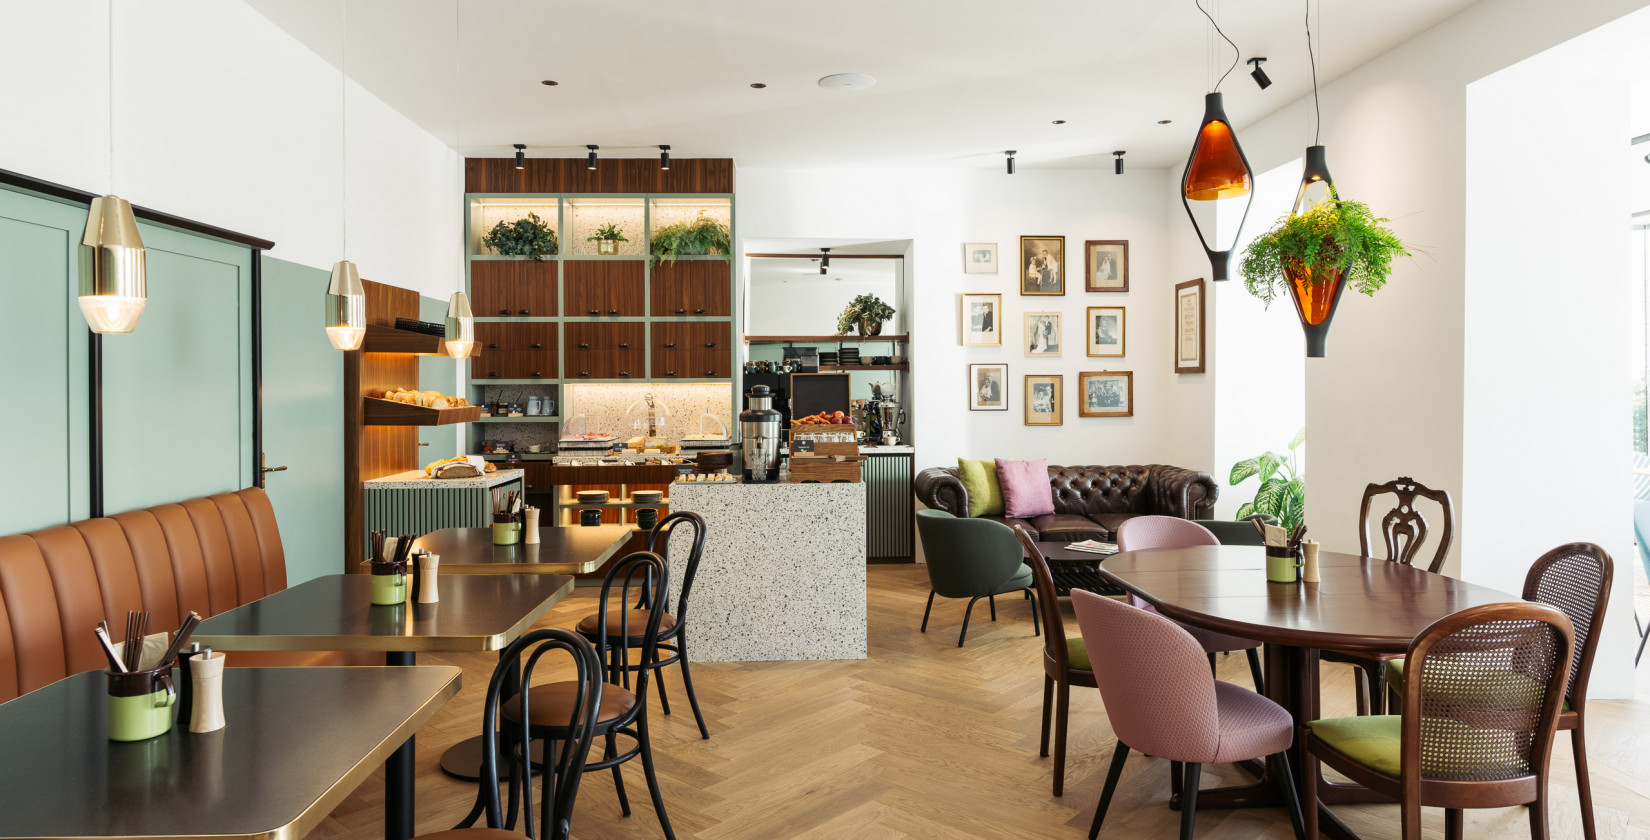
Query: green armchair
[973,559]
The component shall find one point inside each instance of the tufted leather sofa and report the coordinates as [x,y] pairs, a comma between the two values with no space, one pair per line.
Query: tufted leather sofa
[1090,502]
[207,555]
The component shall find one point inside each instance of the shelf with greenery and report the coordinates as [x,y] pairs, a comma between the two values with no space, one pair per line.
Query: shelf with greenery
[866,314]
[529,236]
[704,236]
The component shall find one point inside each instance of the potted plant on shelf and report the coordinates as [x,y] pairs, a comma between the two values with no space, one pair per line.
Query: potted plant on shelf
[866,314]
[702,236]
[1316,254]
[528,236]
[1282,490]
[607,239]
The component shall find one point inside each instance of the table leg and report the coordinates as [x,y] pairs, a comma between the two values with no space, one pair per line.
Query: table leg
[398,773]
[462,760]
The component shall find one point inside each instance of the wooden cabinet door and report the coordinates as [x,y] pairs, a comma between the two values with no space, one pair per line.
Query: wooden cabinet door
[628,350]
[536,352]
[708,335]
[713,364]
[692,287]
[494,360]
[513,287]
[605,288]
[584,348]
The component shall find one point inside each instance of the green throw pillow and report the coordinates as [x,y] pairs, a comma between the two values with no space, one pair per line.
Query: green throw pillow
[979,478]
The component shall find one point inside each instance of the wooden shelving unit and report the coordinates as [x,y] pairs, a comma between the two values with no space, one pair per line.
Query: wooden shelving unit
[382,339]
[852,368]
[822,339]
[380,412]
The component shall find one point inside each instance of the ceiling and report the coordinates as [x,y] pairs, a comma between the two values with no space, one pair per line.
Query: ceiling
[958,81]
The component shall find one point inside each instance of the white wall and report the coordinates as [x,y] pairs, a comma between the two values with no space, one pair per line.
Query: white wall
[939,211]
[223,118]
[1390,398]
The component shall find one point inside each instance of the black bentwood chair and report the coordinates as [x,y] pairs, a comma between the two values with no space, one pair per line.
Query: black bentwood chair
[564,757]
[673,627]
[547,708]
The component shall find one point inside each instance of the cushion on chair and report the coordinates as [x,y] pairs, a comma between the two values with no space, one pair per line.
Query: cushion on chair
[1026,491]
[616,623]
[985,494]
[1022,580]
[552,705]
[1077,656]
[1371,740]
[1250,725]
[1067,526]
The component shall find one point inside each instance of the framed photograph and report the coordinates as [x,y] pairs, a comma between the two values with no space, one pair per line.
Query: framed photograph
[1106,265]
[1042,265]
[1045,404]
[1043,336]
[982,320]
[1106,327]
[1107,393]
[1188,326]
[979,258]
[988,387]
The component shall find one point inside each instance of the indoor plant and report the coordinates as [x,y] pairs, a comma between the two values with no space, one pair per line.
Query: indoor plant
[1316,254]
[865,313]
[1282,490]
[607,239]
[528,236]
[703,235]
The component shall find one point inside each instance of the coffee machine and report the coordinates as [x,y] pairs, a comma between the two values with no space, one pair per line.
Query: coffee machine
[760,435]
[883,416]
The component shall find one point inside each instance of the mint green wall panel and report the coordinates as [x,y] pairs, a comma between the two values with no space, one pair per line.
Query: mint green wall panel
[44,472]
[437,373]
[177,391]
[303,389]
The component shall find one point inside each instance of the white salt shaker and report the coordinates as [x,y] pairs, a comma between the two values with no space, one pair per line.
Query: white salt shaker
[428,568]
[206,673]
[530,529]
[1309,572]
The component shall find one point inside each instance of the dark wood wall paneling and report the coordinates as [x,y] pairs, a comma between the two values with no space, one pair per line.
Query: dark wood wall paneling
[375,451]
[612,175]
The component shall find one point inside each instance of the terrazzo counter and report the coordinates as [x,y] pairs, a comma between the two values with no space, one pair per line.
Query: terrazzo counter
[783,574]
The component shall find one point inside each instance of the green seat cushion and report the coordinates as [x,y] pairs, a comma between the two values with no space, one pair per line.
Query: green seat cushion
[1022,580]
[985,494]
[1395,678]
[1077,656]
[1371,740]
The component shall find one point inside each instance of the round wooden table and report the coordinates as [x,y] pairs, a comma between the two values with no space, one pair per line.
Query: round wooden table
[1359,604]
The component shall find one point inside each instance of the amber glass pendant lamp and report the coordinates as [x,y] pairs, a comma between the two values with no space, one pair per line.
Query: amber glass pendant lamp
[1218,185]
[1316,290]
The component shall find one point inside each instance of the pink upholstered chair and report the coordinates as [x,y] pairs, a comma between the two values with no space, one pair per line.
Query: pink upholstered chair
[1162,703]
[1142,532]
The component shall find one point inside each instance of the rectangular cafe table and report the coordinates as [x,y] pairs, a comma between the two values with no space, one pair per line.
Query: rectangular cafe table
[567,550]
[298,741]
[475,613]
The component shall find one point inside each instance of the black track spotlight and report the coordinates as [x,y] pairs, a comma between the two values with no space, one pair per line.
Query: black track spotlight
[664,158]
[590,159]
[521,155]
[1010,154]
[1260,75]
[1118,166]
[824,259]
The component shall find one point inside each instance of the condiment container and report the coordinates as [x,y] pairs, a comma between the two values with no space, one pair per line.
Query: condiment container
[140,704]
[206,674]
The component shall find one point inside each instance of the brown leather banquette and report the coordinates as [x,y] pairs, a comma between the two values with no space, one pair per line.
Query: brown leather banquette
[208,555]
[1089,501]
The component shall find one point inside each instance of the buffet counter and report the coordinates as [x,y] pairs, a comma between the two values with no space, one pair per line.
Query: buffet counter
[783,574]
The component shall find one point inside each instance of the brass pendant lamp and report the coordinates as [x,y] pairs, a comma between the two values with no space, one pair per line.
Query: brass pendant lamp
[113,294]
[460,336]
[1316,292]
[1217,172]
[461,326]
[346,307]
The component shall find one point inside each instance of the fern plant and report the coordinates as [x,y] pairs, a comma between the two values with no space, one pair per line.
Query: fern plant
[1282,490]
[1331,234]
[528,236]
[701,236]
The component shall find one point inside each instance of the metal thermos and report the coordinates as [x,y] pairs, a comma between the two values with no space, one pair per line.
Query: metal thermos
[760,434]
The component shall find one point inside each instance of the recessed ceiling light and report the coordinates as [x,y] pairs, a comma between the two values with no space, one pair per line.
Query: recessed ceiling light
[1059,122]
[758,85]
[550,82]
[847,81]
[1164,122]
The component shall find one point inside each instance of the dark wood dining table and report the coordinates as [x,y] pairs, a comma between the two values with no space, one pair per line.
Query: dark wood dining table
[476,613]
[298,740]
[565,551]
[1359,605]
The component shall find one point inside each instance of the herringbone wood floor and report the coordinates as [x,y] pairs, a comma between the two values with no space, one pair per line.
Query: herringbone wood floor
[926,740]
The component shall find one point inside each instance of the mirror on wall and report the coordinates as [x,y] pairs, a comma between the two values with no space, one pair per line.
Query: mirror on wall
[788,295]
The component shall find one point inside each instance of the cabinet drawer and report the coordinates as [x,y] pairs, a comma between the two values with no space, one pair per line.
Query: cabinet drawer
[692,364]
[597,336]
[605,288]
[692,287]
[512,287]
[516,351]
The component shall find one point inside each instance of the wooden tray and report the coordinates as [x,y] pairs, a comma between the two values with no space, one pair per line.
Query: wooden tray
[821,447]
[379,412]
[824,470]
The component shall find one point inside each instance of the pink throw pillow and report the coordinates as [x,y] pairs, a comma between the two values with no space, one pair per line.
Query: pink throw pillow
[1026,491]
